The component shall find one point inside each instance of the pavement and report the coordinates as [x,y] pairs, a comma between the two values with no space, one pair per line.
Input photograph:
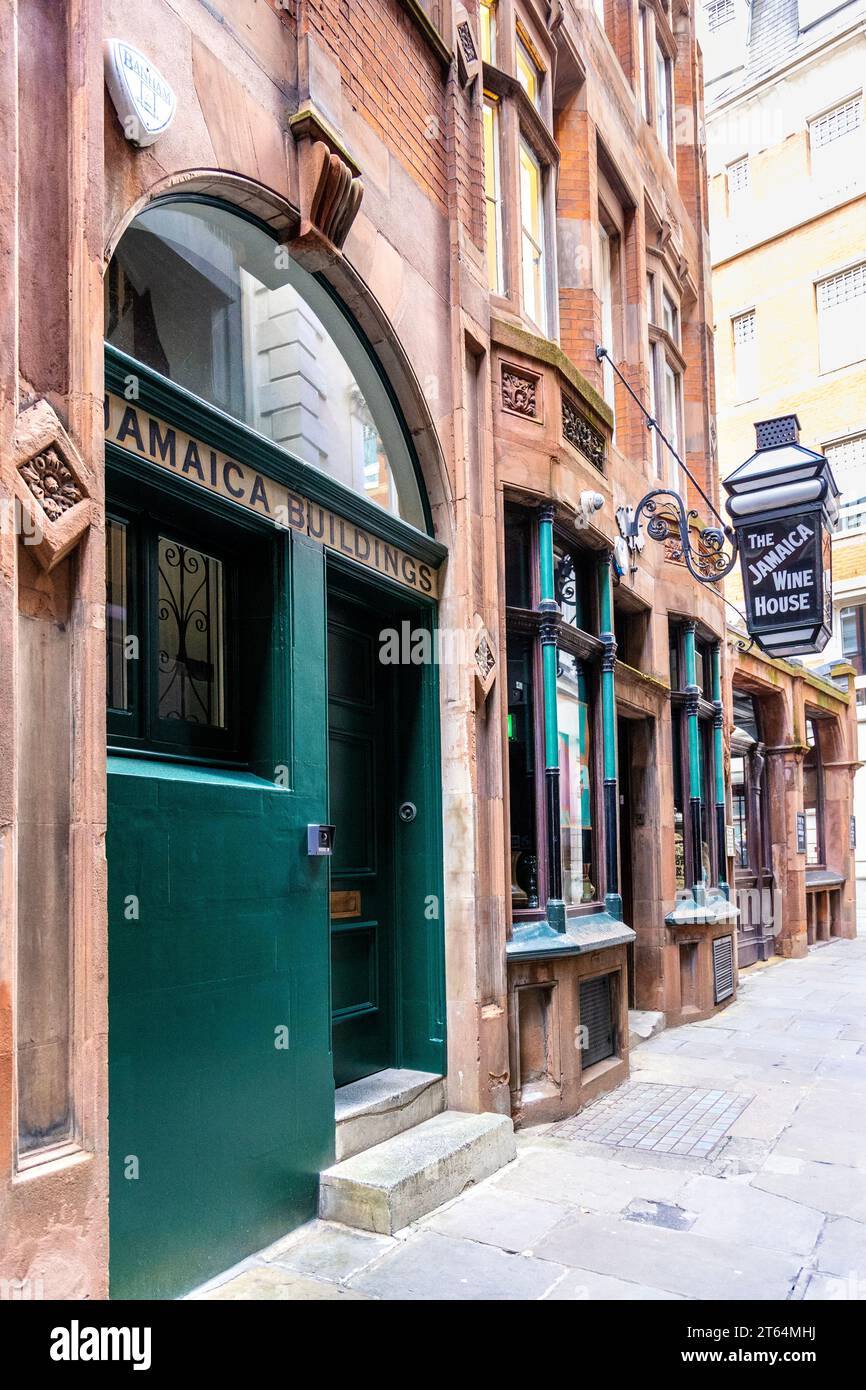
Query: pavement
[732,1165]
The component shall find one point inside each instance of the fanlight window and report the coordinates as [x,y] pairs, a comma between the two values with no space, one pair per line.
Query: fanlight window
[212,302]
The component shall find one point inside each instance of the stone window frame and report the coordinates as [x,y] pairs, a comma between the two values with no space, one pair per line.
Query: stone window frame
[521,121]
[679,717]
[585,645]
[659,37]
[814,723]
[665,353]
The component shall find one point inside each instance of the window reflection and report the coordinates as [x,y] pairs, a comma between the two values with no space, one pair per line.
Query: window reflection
[575,781]
[210,301]
[191,638]
[116,614]
[522,773]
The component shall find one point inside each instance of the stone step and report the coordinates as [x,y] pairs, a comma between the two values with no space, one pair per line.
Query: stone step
[385,1188]
[644,1024]
[369,1111]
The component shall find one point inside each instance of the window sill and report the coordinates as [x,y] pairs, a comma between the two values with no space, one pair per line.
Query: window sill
[53,1159]
[701,907]
[590,932]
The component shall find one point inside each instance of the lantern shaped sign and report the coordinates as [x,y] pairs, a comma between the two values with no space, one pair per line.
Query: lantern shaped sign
[783,505]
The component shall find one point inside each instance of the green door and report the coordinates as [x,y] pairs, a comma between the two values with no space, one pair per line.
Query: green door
[361,779]
[220,1075]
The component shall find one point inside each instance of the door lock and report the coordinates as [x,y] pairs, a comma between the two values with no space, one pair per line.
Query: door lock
[407,812]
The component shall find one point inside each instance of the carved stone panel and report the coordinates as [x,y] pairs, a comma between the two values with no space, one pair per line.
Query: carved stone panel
[521,391]
[580,433]
[52,485]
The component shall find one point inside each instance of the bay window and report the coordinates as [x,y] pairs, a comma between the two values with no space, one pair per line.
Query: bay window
[529,71]
[493,197]
[487,29]
[664,100]
[519,157]
[666,365]
[532,249]
[813,796]
[573,834]
[699,858]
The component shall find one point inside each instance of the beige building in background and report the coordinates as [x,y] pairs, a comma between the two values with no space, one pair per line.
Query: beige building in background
[786,154]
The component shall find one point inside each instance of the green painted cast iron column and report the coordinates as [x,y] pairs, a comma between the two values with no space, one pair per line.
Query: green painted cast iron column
[692,696]
[718,759]
[612,898]
[549,608]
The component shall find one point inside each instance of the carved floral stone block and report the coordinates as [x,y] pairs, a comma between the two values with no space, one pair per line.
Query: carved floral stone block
[520,392]
[52,483]
[485,660]
[580,433]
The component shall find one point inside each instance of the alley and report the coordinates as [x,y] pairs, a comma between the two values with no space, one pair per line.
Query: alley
[732,1165]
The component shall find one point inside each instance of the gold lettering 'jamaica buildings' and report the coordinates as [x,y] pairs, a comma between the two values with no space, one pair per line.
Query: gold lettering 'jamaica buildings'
[170,448]
[357,285]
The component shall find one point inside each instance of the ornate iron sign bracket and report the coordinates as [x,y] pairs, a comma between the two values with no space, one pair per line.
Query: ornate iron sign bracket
[712,561]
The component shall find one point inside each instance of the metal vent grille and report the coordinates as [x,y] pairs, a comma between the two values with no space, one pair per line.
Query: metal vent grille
[785,429]
[596,1017]
[723,967]
[842,120]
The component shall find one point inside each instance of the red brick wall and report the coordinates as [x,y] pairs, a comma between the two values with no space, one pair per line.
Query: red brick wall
[392,77]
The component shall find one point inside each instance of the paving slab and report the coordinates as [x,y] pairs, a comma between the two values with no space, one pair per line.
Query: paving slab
[678,1261]
[589,1183]
[833,1189]
[735,1211]
[495,1216]
[824,1145]
[584,1285]
[270,1282]
[842,1248]
[331,1252]
[435,1267]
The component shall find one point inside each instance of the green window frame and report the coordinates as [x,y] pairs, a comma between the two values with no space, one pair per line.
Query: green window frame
[163,642]
[579,742]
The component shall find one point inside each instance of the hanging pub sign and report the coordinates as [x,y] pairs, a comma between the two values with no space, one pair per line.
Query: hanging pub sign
[783,504]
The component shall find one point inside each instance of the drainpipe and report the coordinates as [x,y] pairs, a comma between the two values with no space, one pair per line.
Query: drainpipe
[718,750]
[692,696]
[550,611]
[612,898]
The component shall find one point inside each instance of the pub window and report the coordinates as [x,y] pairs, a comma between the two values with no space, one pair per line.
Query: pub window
[576,684]
[180,667]
[687,872]
[210,300]
[739,810]
[813,796]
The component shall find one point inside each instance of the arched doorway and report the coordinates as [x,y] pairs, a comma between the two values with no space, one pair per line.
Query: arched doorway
[266,525]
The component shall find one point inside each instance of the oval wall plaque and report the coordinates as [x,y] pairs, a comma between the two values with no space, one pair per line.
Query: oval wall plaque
[144,100]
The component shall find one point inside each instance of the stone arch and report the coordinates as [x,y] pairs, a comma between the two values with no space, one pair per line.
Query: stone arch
[282,218]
